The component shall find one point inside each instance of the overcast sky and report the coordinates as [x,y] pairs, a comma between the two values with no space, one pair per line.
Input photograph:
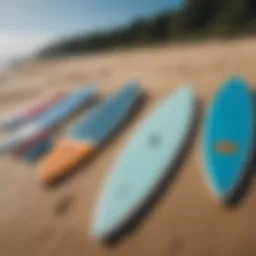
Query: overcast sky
[26,25]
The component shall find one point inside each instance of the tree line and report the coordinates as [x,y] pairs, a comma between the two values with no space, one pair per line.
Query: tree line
[197,18]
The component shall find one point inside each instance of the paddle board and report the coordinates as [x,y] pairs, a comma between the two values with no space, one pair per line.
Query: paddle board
[144,163]
[48,120]
[228,136]
[84,138]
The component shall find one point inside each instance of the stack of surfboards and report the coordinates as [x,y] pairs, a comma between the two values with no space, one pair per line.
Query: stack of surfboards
[84,139]
[33,148]
[29,112]
[41,127]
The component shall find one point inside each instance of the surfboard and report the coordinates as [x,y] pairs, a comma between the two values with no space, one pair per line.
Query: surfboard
[83,140]
[12,121]
[48,120]
[36,147]
[228,137]
[37,151]
[43,107]
[144,163]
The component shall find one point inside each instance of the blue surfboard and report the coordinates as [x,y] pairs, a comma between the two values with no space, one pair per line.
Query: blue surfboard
[228,137]
[85,137]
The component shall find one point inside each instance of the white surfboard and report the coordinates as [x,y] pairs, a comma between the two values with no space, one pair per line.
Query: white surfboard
[144,163]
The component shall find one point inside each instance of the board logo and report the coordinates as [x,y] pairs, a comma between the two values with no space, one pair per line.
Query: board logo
[154,140]
[226,147]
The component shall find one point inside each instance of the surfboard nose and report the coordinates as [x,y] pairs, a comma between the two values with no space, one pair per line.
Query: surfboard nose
[63,157]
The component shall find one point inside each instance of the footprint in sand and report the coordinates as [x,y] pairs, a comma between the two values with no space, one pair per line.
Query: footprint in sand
[63,205]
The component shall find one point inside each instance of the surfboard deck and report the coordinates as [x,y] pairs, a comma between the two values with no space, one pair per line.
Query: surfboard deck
[85,137]
[144,163]
[228,137]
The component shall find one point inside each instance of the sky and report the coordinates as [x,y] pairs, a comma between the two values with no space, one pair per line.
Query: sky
[26,25]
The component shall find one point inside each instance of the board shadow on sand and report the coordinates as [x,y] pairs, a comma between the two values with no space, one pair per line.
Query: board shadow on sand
[100,148]
[145,210]
[237,197]
[63,204]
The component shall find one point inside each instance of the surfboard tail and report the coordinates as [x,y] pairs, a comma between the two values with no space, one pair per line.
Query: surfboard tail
[62,158]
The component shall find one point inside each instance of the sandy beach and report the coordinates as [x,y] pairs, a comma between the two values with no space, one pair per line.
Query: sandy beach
[186,220]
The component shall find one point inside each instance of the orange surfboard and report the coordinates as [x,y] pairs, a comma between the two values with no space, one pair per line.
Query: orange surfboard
[65,155]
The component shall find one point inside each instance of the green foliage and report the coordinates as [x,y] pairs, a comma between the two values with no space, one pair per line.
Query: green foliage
[196,19]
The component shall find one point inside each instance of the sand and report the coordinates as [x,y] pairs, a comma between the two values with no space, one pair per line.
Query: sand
[186,220]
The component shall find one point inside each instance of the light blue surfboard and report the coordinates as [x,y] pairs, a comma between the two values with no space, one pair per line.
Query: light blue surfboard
[228,136]
[144,163]
[66,107]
